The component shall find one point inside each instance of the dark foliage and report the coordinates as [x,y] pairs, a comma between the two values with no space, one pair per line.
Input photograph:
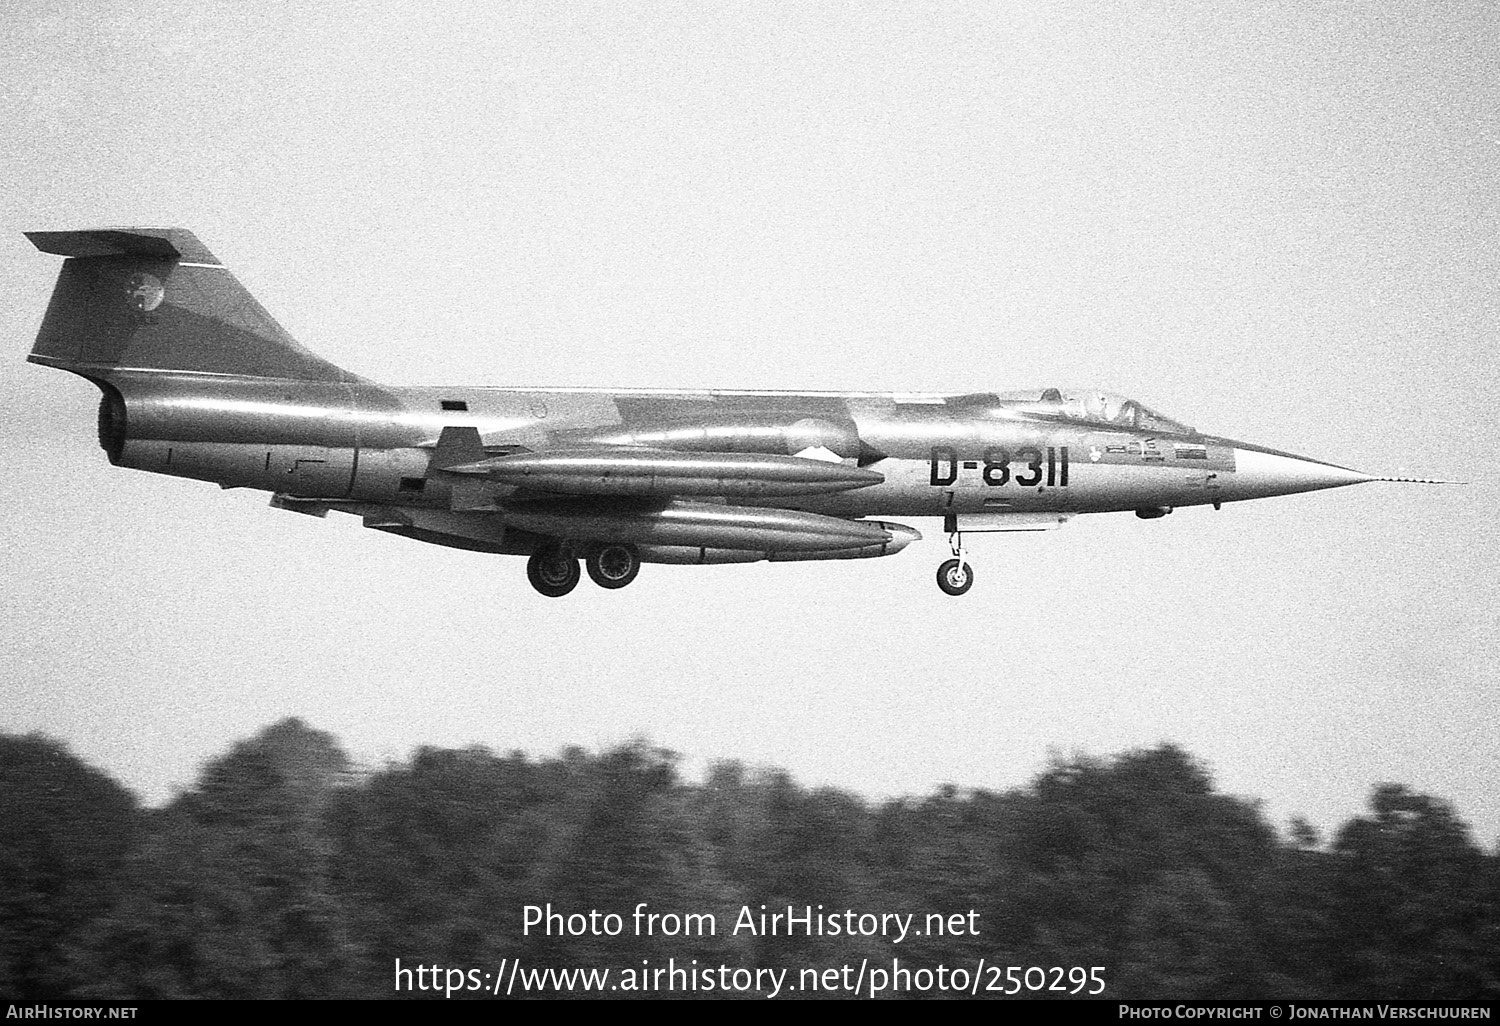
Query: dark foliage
[284,874]
[65,830]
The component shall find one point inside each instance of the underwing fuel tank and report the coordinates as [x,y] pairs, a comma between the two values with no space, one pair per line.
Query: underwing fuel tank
[901,537]
[630,471]
[707,525]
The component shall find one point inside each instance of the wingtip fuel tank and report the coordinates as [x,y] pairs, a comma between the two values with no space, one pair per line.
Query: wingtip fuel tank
[618,470]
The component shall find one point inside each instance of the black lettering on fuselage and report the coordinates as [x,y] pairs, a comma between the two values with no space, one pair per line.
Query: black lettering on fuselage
[944,454]
[945,464]
[996,466]
[1033,458]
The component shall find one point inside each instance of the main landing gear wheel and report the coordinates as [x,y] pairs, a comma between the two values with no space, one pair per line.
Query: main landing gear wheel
[955,577]
[613,566]
[553,571]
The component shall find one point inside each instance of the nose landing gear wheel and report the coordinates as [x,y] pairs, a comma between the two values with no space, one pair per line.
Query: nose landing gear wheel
[552,572]
[613,566]
[955,577]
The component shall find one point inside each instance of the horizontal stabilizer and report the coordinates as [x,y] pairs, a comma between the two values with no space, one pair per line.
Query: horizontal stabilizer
[618,470]
[152,243]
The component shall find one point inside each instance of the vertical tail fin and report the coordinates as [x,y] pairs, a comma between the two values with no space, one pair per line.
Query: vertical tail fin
[157,299]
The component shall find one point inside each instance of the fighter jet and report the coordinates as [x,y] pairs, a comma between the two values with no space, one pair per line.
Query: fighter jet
[198,381]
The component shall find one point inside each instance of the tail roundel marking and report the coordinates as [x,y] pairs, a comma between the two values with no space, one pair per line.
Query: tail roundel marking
[145,291]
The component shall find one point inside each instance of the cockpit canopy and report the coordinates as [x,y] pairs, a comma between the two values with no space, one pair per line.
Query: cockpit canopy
[1092,407]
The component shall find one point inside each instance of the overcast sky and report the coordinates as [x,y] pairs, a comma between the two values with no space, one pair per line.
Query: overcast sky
[1276,221]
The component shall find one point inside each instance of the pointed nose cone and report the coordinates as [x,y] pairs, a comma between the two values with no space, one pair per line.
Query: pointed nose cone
[1262,472]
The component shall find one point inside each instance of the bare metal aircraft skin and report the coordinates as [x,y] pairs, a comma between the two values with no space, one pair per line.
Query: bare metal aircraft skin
[199,381]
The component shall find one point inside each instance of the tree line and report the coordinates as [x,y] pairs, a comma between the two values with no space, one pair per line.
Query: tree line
[283,872]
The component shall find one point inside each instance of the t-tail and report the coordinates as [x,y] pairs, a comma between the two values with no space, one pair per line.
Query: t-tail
[155,299]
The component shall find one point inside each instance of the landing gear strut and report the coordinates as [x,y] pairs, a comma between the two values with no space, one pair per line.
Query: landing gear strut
[955,576]
[553,570]
[613,566]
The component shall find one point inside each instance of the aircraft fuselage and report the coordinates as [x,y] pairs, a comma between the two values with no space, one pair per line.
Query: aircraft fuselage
[938,454]
[198,381]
